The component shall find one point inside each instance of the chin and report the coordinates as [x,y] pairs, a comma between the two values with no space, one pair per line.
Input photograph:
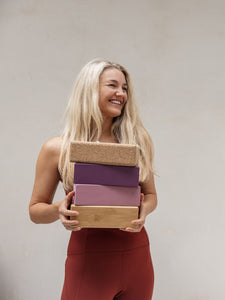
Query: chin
[115,115]
[112,114]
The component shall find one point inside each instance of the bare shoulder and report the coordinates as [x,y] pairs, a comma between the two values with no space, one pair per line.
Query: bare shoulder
[50,152]
[52,147]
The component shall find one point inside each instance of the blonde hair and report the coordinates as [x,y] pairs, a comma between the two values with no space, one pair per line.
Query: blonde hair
[84,120]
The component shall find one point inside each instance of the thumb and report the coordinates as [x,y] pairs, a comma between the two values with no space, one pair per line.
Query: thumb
[142,197]
[69,198]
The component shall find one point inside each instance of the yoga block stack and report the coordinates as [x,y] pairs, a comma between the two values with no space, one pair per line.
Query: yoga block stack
[107,194]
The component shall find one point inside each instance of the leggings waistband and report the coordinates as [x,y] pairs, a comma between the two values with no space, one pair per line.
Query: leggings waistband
[105,240]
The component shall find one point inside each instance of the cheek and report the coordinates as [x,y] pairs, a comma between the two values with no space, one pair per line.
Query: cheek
[105,93]
[101,96]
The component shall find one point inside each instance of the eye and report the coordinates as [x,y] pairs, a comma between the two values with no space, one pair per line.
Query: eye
[111,84]
[125,89]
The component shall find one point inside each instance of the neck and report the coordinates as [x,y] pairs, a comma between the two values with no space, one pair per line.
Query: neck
[107,135]
[106,127]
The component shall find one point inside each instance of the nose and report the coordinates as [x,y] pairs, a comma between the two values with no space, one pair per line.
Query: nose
[120,91]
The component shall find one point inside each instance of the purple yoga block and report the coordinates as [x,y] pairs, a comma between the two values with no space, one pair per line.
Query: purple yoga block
[105,175]
[89,194]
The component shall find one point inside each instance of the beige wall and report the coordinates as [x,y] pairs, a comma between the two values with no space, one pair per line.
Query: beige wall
[174,51]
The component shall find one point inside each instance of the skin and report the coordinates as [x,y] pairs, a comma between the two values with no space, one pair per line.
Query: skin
[112,87]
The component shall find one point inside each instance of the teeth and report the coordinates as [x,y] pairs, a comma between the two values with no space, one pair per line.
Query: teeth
[115,101]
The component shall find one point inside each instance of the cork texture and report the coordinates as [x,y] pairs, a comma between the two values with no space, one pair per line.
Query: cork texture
[104,153]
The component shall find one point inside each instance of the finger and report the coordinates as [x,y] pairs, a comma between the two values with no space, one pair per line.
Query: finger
[137,222]
[142,197]
[69,198]
[73,228]
[64,208]
[65,220]
[76,229]
[69,213]
[129,229]
[65,214]
[69,223]
[137,226]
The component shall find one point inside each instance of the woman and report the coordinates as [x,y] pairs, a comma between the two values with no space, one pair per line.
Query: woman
[102,264]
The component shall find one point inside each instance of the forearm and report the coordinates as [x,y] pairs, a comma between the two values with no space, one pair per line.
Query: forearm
[148,204]
[43,213]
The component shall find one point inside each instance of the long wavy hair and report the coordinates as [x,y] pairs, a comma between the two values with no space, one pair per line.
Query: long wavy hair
[83,120]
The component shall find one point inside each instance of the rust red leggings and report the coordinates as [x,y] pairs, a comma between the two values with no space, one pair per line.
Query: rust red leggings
[107,264]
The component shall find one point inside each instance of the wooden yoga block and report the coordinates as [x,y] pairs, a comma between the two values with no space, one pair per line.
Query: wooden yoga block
[105,216]
[104,153]
[90,194]
[106,175]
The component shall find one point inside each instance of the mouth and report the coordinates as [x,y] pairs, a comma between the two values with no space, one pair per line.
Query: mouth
[115,101]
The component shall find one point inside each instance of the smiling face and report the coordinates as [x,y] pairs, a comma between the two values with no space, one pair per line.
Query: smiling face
[112,93]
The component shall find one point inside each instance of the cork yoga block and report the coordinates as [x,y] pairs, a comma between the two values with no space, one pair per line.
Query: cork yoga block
[104,153]
[89,194]
[105,216]
[106,175]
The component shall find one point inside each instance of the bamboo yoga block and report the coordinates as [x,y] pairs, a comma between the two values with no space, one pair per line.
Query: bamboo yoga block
[104,153]
[105,216]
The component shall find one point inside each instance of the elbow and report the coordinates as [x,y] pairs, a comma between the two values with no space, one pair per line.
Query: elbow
[154,202]
[34,220]
[32,215]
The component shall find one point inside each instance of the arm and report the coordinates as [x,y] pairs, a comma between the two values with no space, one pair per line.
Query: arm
[47,177]
[46,181]
[149,201]
[147,205]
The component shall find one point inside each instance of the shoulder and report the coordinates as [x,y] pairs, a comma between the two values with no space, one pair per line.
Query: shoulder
[47,175]
[52,146]
[50,151]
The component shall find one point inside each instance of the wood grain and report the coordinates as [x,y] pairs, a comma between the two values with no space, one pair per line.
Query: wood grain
[105,216]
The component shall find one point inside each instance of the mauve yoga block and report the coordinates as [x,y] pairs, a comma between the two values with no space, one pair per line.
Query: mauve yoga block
[105,175]
[104,153]
[89,194]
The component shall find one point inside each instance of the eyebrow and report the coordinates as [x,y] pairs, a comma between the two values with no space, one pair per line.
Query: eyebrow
[115,81]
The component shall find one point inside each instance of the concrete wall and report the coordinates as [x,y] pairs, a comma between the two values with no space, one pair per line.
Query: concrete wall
[174,51]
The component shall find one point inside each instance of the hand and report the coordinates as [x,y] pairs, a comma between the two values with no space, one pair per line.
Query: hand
[139,223]
[64,213]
